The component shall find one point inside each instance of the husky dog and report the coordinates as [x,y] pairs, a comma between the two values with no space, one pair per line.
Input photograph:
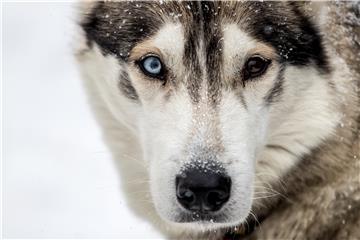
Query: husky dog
[230,119]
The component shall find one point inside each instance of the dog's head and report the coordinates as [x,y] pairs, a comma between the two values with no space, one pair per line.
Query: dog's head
[224,97]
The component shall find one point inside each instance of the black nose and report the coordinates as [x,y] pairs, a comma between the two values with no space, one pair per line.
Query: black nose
[197,190]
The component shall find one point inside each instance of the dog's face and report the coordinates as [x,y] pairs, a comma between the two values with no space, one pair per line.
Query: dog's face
[220,95]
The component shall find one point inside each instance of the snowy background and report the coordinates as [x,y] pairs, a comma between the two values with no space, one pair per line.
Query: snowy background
[58,178]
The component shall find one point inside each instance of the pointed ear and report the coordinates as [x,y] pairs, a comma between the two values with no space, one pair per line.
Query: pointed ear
[83,11]
[86,6]
[317,11]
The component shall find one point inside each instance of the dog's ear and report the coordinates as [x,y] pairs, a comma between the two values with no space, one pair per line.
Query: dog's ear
[84,9]
[83,12]
[317,11]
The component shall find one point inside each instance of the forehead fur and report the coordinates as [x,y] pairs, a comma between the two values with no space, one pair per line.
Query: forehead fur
[118,26]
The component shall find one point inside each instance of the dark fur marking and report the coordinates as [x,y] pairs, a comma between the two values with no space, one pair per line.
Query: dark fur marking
[118,26]
[126,87]
[191,62]
[241,96]
[190,58]
[275,92]
[294,37]
[213,42]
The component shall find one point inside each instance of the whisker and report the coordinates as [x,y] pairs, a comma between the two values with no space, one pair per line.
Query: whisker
[264,197]
[133,160]
[276,177]
[256,219]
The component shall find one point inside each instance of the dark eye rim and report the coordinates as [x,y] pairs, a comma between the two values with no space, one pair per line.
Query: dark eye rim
[247,75]
[160,76]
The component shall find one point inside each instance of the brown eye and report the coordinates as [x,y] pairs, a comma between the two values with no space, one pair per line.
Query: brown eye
[255,66]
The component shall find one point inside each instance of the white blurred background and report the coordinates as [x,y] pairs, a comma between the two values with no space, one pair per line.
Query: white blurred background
[58,178]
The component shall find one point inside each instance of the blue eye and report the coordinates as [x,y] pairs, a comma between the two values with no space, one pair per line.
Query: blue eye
[152,66]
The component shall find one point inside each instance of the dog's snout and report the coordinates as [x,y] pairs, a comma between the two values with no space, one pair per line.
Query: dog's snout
[202,191]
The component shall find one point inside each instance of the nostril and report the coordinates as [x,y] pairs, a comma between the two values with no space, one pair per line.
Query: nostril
[186,196]
[216,198]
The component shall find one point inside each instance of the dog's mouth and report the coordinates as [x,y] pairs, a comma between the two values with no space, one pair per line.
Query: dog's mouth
[200,221]
[202,218]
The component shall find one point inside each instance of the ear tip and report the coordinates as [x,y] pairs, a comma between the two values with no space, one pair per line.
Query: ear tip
[85,8]
[317,10]
[83,11]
